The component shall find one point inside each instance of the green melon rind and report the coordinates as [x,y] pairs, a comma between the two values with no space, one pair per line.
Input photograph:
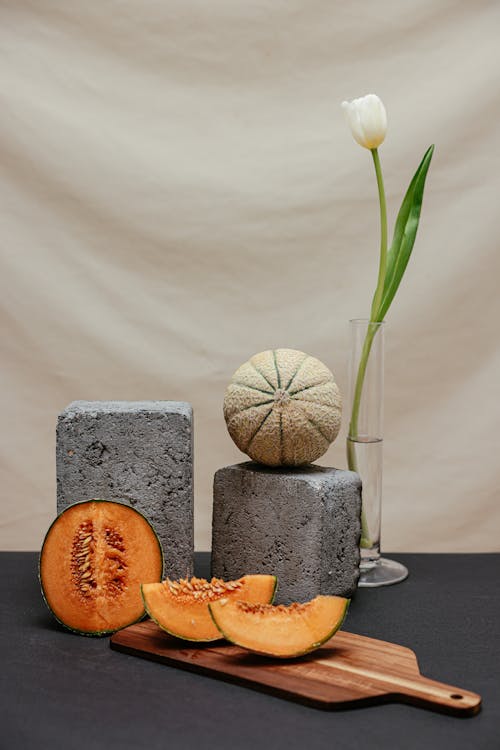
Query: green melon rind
[274,589]
[313,646]
[94,633]
[196,640]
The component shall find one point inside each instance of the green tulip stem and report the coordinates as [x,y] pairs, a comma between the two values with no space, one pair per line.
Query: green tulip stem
[377,297]
[366,542]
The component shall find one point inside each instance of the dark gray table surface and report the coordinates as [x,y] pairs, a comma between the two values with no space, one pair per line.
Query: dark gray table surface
[59,690]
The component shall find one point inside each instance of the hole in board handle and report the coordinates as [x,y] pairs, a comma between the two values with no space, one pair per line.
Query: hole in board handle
[456,696]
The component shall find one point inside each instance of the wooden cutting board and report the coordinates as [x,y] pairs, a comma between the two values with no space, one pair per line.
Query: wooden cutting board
[348,671]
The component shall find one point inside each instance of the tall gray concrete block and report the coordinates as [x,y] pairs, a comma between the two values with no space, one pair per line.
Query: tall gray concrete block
[136,452]
[302,524]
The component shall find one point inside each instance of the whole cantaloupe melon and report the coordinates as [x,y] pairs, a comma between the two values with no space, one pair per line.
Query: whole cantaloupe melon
[283,408]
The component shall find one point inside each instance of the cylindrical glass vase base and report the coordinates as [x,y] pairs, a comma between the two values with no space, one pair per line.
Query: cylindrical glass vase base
[383,572]
[369,557]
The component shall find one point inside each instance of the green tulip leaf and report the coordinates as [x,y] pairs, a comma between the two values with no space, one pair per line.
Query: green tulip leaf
[405,231]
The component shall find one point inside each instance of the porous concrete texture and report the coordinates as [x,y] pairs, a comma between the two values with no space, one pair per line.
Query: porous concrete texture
[136,452]
[301,524]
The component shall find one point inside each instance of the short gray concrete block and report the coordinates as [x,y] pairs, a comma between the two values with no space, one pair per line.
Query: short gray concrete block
[136,452]
[302,524]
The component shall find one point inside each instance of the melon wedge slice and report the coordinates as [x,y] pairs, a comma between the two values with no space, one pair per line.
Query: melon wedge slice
[281,631]
[181,607]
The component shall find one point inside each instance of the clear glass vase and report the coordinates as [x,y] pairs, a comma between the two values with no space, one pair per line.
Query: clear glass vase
[365,446]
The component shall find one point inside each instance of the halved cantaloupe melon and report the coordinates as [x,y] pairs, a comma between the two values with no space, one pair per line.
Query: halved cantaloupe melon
[181,607]
[281,631]
[92,562]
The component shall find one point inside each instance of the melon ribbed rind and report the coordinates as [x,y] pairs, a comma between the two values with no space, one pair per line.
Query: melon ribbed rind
[283,408]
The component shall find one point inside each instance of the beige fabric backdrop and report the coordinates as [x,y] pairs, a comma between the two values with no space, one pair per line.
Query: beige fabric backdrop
[179,191]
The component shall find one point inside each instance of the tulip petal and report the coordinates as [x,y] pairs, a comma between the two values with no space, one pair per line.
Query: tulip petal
[354,122]
[374,124]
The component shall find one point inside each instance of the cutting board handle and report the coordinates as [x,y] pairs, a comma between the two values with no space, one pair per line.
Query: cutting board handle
[423,691]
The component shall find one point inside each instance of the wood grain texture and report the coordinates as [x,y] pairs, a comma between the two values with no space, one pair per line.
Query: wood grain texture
[347,672]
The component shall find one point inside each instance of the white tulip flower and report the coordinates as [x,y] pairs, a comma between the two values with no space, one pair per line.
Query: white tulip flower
[367,119]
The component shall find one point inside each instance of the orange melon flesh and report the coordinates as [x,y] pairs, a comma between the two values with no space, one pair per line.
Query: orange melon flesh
[92,562]
[280,631]
[183,611]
